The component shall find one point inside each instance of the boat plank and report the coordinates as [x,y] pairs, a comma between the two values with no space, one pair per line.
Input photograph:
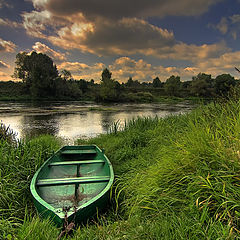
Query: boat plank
[68,181]
[65,163]
[78,151]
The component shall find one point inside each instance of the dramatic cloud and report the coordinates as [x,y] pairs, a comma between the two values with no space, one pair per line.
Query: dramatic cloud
[3,65]
[110,28]
[42,48]
[126,36]
[117,9]
[6,46]
[104,37]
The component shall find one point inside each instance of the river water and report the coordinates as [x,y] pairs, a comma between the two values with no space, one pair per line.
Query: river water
[72,120]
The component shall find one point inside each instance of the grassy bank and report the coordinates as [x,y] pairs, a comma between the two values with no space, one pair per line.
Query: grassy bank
[176,178]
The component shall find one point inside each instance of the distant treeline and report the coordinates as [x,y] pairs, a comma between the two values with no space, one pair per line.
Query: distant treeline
[41,80]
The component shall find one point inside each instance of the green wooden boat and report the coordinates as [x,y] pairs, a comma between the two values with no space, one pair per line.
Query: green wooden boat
[74,182]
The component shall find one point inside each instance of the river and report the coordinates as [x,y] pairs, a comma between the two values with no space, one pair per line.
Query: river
[72,120]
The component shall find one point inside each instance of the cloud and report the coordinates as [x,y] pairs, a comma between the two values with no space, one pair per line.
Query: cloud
[108,38]
[109,28]
[228,25]
[35,23]
[223,25]
[124,67]
[117,9]
[4,76]
[226,62]
[82,70]
[3,65]
[41,24]
[7,46]
[42,48]
[4,3]
[192,52]
[9,23]
[235,18]
[104,37]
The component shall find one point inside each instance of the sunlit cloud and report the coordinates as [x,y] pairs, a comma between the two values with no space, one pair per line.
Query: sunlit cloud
[35,23]
[4,76]
[190,52]
[126,36]
[3,65]
[42,48]
[224,63]
[109,28]
[82,70]
[7,46]
[124,67]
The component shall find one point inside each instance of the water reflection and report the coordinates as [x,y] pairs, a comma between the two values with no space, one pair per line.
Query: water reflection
[72,120]
[35,125]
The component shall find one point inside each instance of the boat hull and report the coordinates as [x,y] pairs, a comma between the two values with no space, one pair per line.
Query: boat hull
[75,182]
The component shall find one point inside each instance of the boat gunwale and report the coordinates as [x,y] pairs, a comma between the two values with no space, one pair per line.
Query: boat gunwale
[41,201]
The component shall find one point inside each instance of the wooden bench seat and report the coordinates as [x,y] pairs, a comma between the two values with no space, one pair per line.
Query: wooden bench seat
[65,163]
[69,181]
[79,152]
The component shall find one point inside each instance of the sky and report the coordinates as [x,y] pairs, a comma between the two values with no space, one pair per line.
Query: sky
[141,39]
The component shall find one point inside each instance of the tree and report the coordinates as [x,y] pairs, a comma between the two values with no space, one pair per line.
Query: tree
[108,91]
[92,82]
[223,84]
[83,85]
[106,75]
[129,82]
[38,73]
[172,85]
[202,85]
[133,84]
[66,74]
[157,83]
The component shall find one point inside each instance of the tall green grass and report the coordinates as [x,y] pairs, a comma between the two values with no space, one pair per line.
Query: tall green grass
[176,178]
[17,166]
[181,171]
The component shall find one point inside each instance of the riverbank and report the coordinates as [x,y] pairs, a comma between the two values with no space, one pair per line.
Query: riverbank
[139,99]
[177,178]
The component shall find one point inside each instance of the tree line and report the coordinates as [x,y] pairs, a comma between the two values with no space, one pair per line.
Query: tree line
[41,80]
